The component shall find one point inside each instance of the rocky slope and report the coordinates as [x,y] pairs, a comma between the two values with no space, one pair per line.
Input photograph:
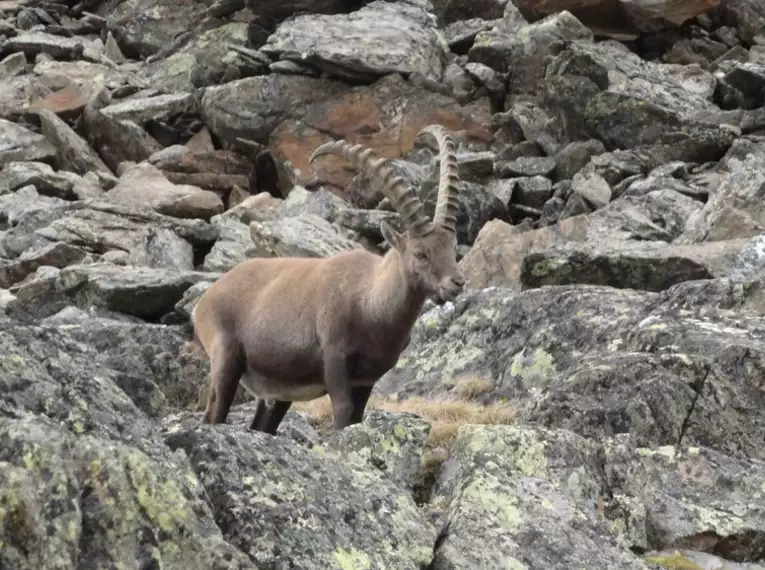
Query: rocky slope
[609,345]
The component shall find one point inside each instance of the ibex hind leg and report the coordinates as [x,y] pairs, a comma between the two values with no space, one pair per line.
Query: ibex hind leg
[227,364]
[360,397]
[269,414]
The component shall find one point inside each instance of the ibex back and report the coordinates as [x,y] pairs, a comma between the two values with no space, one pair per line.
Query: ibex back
[293,329]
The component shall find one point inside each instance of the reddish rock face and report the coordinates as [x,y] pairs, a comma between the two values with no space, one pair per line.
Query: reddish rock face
[385,116]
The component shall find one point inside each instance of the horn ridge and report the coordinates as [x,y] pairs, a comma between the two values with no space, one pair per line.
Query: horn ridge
[401,195]
[447,203]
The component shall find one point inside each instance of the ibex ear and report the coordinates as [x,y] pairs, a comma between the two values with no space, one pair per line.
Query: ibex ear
[394,238]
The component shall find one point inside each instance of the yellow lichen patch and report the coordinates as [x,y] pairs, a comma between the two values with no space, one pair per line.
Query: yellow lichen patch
[487,495]
[353,560]
[674,561]
[538,368]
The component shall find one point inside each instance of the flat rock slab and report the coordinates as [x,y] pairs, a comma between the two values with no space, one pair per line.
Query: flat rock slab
[74,153]
[379,39]
[145,185]
[300,236]
[144,109]
[54,255]
[144,292]
[614,231]
[148,238]
[19,143]
[34,43]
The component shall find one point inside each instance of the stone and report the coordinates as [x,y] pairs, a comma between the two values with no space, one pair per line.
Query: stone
[18,143]
[141,110]
[73,152]
[252,107]
[379,39]
[391,110]
[144,184]
[592,187]
[303,236]
[34,43]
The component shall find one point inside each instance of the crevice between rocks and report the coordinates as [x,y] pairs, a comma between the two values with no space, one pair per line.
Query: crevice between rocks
[698,388]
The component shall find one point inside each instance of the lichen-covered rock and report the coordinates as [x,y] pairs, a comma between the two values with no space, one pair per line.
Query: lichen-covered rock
[68,501]
[600,361]
[85,475]
[531,494]
[284,504]
[686,497]
[392,443]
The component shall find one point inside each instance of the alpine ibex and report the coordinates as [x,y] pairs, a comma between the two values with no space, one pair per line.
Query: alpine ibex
[293,329]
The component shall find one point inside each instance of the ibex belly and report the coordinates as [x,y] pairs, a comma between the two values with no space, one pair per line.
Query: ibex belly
[285,389]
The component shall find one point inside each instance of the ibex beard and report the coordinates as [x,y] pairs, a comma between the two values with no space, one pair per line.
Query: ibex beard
[292,329]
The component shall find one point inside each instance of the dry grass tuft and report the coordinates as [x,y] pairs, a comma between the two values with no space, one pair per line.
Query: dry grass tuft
[472,386]
[445,416]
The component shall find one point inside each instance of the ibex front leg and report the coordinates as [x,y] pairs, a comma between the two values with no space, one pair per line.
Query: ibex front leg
[338,384]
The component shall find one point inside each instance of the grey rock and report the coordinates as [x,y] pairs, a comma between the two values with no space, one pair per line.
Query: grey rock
[379,39]
[18,143]
[301,236]
[660,490]
[252,107]
[735,209]
[46,181]
[231,246]
[533,191]
[67,428]
[592,187]
[201,62]
[141,110]
[575,156]
[143,292]
[73,152]
[145,185]
[558,371]
[525,166]
[56,254]
[34,43]
[116,141]
[506,477]
[136,34]
[12,65]
[99,227]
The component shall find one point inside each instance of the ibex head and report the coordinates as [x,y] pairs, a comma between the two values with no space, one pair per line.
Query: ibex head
[427,248]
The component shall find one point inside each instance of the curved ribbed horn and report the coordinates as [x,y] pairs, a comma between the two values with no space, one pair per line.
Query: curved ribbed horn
[402,196]
[447,205]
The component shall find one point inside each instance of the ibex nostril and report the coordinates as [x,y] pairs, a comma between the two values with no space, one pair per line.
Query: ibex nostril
[458,281]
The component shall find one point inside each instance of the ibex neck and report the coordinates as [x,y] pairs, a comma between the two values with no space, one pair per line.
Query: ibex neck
[393,302]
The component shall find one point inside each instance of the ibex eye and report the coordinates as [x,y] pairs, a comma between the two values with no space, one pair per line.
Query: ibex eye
[420,254]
